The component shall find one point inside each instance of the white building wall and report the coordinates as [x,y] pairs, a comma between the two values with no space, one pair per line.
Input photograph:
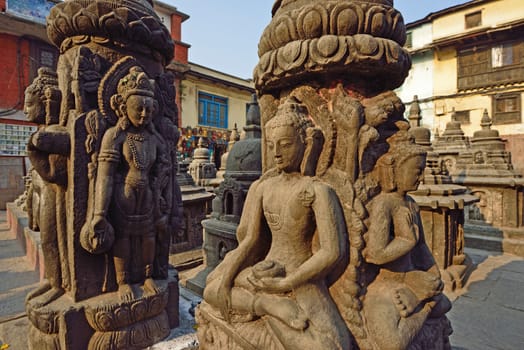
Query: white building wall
[420,79]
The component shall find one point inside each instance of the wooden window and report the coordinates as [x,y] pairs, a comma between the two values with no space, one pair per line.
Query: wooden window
[506,54]
[473,19]
[409,40]
[212,110]
[462,117]
[506,108]
[483,66]
[42,55]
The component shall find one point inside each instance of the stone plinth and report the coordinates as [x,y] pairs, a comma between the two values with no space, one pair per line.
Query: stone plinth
[196,202]
[219,238]
[442,214]
[496,222]
[104,322]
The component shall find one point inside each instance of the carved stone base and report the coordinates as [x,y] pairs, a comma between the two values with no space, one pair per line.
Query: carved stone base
[214,333]
[434,335]
[104,322]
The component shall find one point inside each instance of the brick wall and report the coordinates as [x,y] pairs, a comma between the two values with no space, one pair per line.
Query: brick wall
[14,75]
[176,27]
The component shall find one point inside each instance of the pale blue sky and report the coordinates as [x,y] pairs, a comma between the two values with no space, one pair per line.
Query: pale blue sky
[224,34]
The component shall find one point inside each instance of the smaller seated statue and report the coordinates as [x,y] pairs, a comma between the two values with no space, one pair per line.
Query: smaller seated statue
[277,274]
[404,287]
[132,175]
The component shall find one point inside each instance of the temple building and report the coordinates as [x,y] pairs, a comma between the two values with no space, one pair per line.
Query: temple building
[466,59]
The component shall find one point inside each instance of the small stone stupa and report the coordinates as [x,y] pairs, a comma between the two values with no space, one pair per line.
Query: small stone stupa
[487,170]
[202,169]
[244,166]
[450,144]
[441,210]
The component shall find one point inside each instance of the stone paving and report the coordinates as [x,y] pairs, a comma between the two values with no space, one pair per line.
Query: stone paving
[488,313]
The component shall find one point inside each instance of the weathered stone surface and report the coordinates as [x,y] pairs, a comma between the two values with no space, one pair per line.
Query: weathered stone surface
[331,252]
[105,197]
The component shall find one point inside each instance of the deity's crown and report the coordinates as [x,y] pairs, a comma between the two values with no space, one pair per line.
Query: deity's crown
[136,83]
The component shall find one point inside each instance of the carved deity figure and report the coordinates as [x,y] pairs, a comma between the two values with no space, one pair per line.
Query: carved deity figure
[132,176]
[48,181]
[405,288]
[292,239]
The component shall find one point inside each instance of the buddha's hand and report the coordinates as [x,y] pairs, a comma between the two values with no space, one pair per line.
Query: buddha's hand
[273,285]
[98,235]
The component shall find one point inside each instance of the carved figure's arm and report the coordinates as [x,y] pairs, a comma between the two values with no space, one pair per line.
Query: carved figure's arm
[47,149]
[380,248]
[53,139]
[108,159]
[332,235]
[97,235]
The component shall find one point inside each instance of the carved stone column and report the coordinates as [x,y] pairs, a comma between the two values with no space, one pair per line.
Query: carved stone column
[106,154]
[330,67]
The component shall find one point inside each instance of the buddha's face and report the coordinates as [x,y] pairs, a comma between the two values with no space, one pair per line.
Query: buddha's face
[409,174]
[33,108]
[287,148]
[139,110]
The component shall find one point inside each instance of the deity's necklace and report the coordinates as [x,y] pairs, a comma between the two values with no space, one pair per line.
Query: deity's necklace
[138,160]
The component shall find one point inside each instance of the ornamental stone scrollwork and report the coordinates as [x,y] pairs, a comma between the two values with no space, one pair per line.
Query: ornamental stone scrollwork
[334,38]
[124,23]
[294,22]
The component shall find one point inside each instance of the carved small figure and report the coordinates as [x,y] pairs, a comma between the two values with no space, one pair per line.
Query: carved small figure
[132,173]
[45,149]
[406,286]
[275,273]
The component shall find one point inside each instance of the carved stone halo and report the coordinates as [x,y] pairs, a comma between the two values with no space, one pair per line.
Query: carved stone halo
[108,86]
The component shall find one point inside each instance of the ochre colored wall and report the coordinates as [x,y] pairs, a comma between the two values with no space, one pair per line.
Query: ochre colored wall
[493,13]
[515,145]
[236,103]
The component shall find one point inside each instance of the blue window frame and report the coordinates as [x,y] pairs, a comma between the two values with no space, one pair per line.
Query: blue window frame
[212,110]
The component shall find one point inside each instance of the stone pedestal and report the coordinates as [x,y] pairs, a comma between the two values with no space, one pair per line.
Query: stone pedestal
[496,221]
[219,238]
[196,202]
[104,322]
[442,214]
